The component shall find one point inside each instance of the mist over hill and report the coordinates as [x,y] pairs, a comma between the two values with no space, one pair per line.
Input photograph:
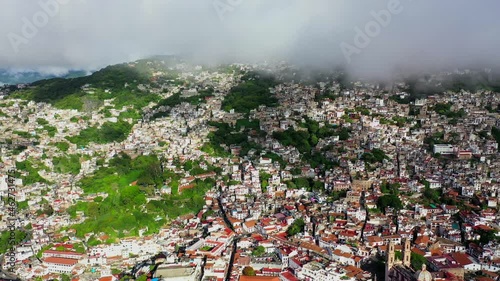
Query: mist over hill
[377,39]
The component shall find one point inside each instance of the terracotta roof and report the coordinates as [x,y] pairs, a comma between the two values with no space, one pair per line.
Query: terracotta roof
[289,276]
[259,278]
[250,223]
[461,258]
[422,239]
[372,239]
[418,251]
[312,247]
[60,261]
[484,279]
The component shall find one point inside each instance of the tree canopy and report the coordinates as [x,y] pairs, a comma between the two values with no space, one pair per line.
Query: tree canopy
[258,251]
[389,200]
[417,261]
[254,91]
[248,271]
[108,132]
[296,227]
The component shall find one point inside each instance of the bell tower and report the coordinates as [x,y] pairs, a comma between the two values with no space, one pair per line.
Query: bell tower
[390,261]
[407,253]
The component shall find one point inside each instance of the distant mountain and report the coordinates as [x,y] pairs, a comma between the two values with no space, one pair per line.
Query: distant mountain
[9,77]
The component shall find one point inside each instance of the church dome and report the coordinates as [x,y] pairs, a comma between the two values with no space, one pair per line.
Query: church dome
[423,275]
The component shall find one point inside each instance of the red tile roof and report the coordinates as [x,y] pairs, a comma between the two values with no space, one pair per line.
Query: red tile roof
[258,278]
[60,261]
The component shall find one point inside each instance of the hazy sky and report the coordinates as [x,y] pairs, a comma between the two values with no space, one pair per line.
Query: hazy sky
[89,34]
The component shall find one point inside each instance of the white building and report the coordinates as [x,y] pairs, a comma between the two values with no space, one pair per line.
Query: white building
[443,149]
[317,272]
[59,265]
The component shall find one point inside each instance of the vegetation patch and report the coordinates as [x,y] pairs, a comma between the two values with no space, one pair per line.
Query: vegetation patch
[67,164]
[108,132]
[305,140]
[62,145]
[128,182]
[496,134]
[5,239]
[254,91]
[296,227]
[445,109]
[229,135]
[30,174]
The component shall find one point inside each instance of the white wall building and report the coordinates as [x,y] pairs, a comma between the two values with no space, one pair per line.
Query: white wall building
[443,149]
[59,265]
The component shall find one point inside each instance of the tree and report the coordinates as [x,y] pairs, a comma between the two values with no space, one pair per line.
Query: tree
[344,134]
[92,210]
[258,251]
[67,165]
[62,145]
[431,194]
[301,182]
[398,255]
[253,92]
[248,271]
[290,185]
[495,132]
[317,185]
[388,188]
[264,176]
[392,201]
[417,261]
[188,165]
[487,236]
[297,226]
[314,139]
[263,185]
[5,239]
[376,155]
[128,193]
[336,195]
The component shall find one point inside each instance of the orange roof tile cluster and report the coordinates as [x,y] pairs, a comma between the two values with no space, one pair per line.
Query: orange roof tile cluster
[60,261]
[259,278]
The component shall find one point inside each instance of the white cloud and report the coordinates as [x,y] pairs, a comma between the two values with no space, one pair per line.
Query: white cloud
[93,33]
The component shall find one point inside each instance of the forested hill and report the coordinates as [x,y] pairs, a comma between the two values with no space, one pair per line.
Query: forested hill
[116,77]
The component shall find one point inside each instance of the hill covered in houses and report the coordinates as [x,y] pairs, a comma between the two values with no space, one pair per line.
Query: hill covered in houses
[160,155]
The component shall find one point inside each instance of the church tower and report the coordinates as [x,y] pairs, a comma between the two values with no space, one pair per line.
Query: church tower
[407,253]
[390,260]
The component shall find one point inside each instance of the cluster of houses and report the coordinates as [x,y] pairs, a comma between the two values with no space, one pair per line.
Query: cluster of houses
[242,233]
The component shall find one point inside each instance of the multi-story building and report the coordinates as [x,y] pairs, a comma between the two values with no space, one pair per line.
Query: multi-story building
[59,265]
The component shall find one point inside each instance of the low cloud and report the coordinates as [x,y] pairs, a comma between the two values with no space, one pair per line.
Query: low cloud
[90,34]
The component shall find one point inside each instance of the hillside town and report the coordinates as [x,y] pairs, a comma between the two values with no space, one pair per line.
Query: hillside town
[330,183]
